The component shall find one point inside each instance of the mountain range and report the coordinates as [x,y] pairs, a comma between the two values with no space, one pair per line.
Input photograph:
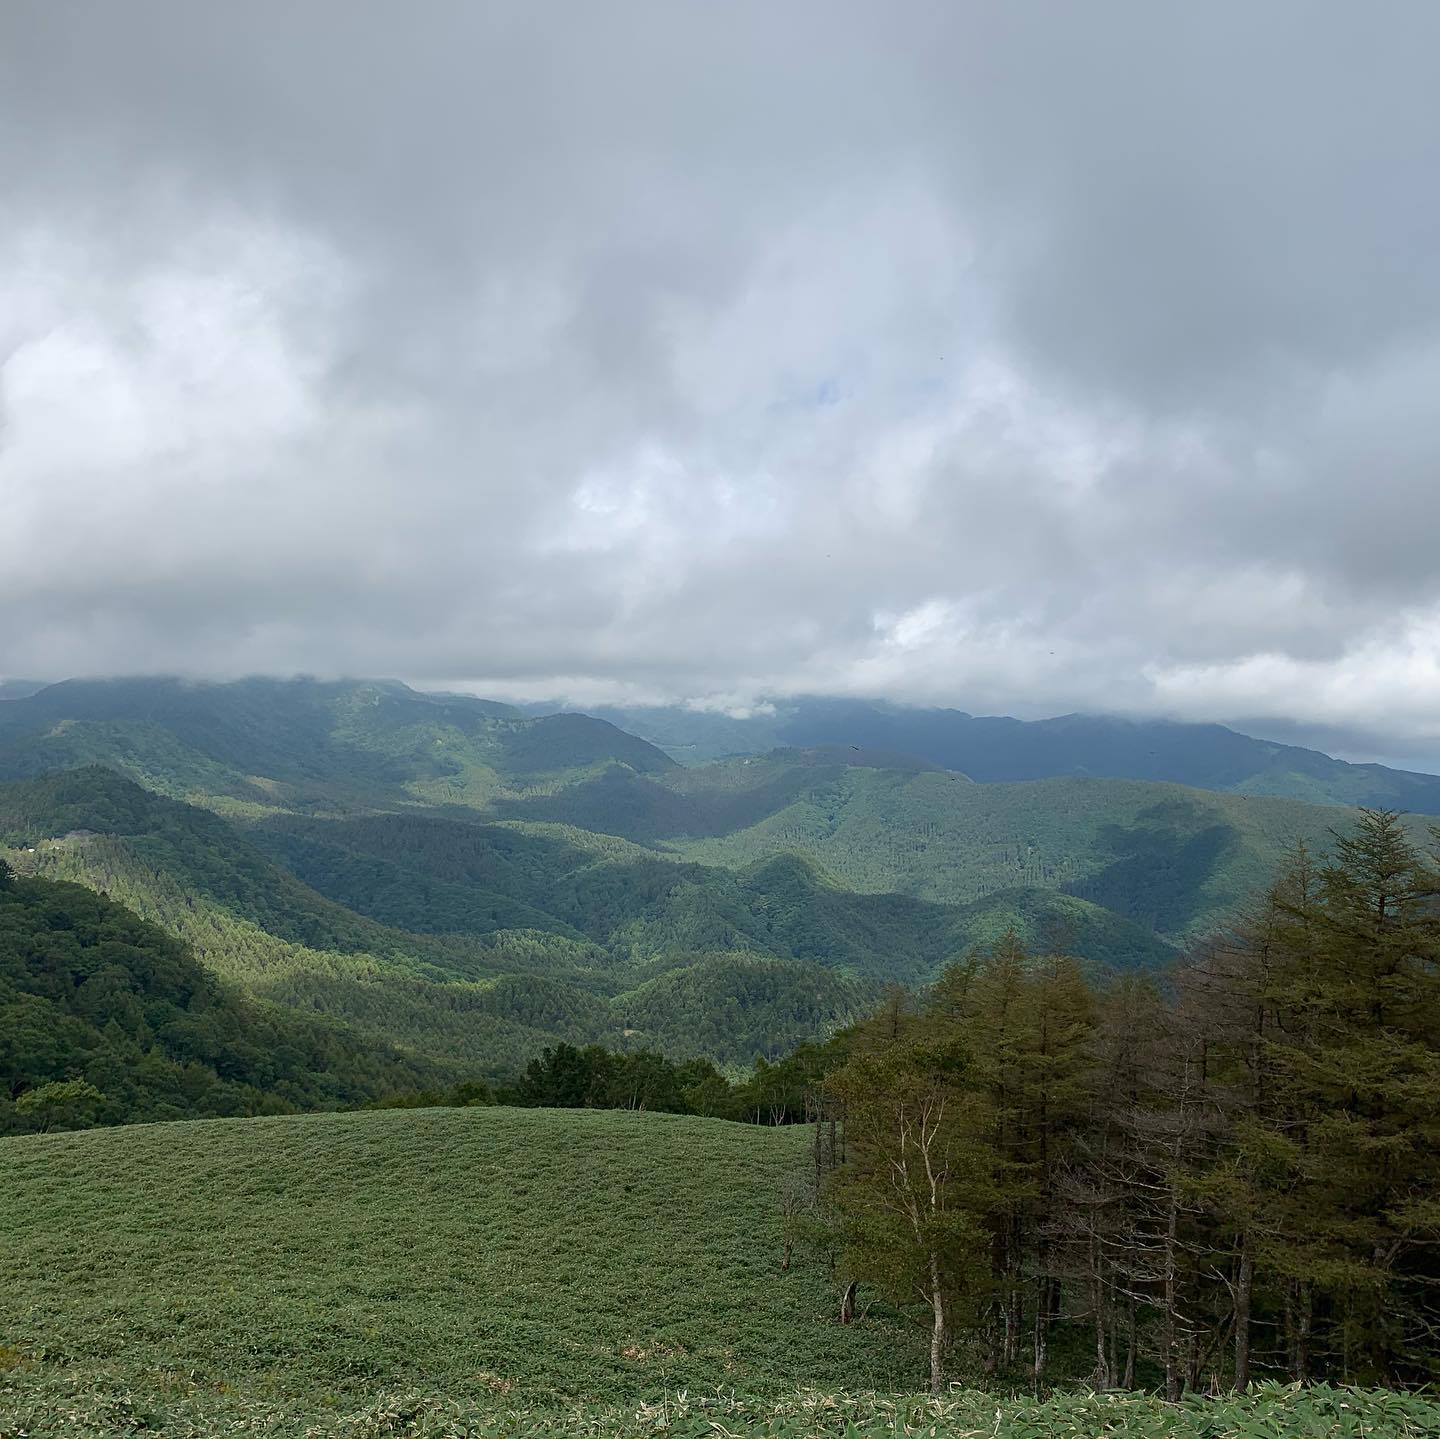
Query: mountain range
[997,748]
[458,882]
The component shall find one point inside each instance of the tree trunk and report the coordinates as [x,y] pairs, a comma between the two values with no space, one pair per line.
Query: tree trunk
[937,1330]
[1043,1310]
[1173,1380]
[1132,1343]
[1102,1363]
[1302,1333]
[847,1304]
[1244,1282]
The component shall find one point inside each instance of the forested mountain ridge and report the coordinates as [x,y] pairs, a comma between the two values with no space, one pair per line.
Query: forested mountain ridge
[445,875]
[258,746]
[475,945]
[991,748]
[1154,863]
[1174,861]
[103,1017]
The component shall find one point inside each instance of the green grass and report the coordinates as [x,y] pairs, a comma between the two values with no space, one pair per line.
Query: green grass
[84,1410]
[446,1273]
[549,1254]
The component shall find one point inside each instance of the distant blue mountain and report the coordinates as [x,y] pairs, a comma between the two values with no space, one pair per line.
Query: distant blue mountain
[994,748]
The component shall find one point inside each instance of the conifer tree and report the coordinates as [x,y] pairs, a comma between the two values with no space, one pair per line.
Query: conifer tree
[917,1186]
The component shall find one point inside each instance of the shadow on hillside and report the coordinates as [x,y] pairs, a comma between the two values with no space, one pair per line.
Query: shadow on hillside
[1159,865]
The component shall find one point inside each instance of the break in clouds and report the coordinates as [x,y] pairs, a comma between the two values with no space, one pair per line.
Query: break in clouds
[1021,358]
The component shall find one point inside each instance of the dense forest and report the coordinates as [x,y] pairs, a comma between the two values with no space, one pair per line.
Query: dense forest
[1156,864]
[106,1019]
[1230,1173]
[475,944]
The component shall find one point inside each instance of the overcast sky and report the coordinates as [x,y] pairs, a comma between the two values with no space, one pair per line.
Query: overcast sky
[1025,358]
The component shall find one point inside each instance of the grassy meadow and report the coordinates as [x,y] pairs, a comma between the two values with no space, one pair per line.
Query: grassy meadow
[445,1273]
[534,1255]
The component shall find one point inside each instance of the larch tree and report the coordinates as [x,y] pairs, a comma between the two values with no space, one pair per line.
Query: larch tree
[918,1184]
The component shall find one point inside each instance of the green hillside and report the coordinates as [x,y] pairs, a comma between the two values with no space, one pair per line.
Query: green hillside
[104,1018]
[1172,860]
[539,1253]
[329,773]
[445,1273]
[621,921]
[1163,861]
[261,746]
[387,857]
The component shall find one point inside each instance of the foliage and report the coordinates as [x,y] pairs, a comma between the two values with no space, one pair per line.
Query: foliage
[464,1095]
[917,1185]
[1232,1174]
[366,891]
[87,1405]
[261,745]
[1165,861]
[105,1018]
[541,1254]
[566,1077]
[63,1103]
[456,999]
[1168,861]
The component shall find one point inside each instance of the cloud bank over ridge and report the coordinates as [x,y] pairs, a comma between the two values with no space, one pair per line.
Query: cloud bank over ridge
[1019,358]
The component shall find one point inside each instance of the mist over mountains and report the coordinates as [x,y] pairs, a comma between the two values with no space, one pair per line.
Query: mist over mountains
[993,748]
[985,748]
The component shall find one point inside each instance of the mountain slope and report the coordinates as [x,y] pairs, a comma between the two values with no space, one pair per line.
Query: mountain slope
[617,919]
[644,905]
[1172,860]
[476,945]
[399,853]
[90,992]
[995,748]
[259,746]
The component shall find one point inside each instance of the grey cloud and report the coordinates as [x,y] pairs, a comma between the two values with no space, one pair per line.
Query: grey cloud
[1021,358]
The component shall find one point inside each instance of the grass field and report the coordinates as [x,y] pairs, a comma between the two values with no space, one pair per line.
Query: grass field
[443,1273]
[576,1254]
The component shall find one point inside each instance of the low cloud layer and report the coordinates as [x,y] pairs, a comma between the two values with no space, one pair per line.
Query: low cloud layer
[1022,358]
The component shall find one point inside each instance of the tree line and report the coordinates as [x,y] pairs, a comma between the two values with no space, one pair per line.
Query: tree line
[568,1076]
[1229,1171]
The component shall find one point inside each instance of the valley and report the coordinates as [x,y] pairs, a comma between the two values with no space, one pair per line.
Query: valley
[451,876]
